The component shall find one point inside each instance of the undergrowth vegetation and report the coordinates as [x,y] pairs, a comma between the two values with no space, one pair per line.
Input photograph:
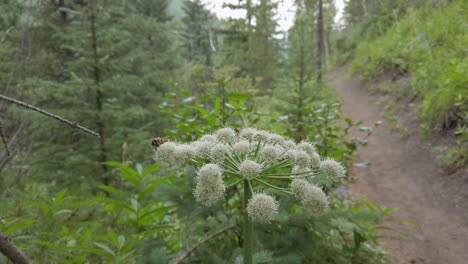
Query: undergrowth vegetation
[428,44]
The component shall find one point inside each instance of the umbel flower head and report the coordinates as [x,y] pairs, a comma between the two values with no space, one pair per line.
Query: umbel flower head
[258,159]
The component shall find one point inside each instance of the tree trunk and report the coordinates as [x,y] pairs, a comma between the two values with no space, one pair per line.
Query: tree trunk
[302,80]
[320,44]
[99,95]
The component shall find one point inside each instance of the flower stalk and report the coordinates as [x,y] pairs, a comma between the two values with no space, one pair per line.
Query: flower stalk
[248,227]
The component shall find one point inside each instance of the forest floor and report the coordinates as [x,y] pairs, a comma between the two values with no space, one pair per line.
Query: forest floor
[403,175]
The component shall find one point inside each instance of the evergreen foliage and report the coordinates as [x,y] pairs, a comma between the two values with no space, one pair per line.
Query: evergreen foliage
[197,34]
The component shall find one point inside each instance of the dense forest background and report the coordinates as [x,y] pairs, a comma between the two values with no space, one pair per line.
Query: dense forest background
[134,70]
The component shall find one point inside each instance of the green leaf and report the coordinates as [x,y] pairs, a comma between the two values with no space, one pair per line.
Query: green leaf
[150,170]
[112,190]
[105,248]
[237,96]
[127,173]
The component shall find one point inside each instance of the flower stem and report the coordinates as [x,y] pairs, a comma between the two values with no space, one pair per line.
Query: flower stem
[234,183]
[273,186]
[248,227]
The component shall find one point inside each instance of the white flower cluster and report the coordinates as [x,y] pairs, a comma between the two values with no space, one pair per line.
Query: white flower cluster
[258,159]
[210,185]
[262,208]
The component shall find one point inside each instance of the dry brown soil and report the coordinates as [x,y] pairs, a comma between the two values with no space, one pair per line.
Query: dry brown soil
[403,175]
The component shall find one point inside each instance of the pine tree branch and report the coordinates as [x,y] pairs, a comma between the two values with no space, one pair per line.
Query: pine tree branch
[72,124]
[201,242]
[10,251]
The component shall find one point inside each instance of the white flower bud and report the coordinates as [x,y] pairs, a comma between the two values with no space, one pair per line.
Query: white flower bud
[226,135]
[202,148]
[262,208]
[248,133]
[249,169]
[315,160]
[299,187]
[312,197]
[307,147]
[276,139]
[210,187]
[290,154]
[289,145]
[269,154]
[301,159]
[185,152]
[333,169]
[315,200]
[166,153]
[242,148]
[219,152]
[262,136]
[208,138]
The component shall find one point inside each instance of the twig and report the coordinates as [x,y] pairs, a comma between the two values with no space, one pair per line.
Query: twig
[3,139]
[56,117]
[201,242]
[11,251]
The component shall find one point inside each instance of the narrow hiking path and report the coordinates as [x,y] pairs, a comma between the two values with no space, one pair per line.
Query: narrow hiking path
[402,174]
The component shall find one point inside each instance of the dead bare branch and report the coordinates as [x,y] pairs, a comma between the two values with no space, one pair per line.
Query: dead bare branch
[201,242]
[9,249]
[72,124]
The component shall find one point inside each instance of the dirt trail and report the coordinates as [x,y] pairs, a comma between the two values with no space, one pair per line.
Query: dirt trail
[403,175]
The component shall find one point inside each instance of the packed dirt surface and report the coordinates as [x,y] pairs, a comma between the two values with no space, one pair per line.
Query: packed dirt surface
[403,175]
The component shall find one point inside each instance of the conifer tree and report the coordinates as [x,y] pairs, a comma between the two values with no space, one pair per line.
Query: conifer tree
[109,80]
[255,37]
[197,33]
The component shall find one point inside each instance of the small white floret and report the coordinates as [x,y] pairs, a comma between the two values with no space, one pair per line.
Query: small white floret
[208,138]
[219,152]
[242,147]
[315,160]
[249,169]
[210,187]
[276,139]
[269,154]
[166,153]
[301,159]
[307,147]
[315,200]
[248,133]
[333,169]
[226,135]
[185,153]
